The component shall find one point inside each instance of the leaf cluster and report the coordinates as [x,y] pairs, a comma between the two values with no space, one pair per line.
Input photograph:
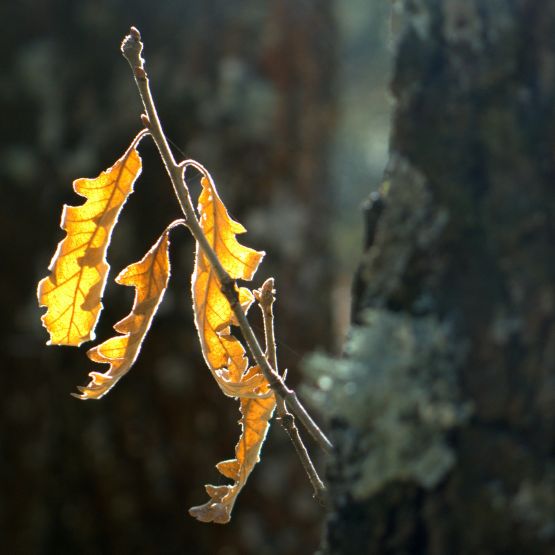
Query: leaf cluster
[72,294]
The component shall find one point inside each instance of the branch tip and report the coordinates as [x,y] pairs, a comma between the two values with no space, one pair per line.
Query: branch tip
[131,48]
[135,33]
[268,285]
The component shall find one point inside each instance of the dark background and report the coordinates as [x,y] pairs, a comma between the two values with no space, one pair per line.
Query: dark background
[285,103]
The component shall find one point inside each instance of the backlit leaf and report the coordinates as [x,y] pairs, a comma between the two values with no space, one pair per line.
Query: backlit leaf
[224,354]
[78,270]
[150,278]
[255,421]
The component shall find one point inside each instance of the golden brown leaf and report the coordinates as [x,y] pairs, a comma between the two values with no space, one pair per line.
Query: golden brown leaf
[224,354]
[78,270]
[150,278]
[255,421]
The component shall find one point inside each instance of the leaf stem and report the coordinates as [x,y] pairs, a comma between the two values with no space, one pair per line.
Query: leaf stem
[265,297]
[131,48]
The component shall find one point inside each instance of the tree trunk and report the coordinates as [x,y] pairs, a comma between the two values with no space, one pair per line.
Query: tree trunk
[442,411]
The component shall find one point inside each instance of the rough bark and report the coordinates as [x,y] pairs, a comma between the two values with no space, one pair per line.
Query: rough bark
[443,409]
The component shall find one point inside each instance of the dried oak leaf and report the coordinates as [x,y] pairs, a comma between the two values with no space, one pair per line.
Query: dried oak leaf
[78,270]
[224,354]
[255,421]
[150,278]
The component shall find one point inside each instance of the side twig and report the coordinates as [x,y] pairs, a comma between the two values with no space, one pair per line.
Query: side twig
[131,48]
[265,298]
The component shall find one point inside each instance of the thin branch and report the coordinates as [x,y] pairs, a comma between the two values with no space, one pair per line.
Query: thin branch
[131,48]
[265,298]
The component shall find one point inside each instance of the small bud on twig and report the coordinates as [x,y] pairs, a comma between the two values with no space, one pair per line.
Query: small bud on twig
[131,48]
[134,32]
[145,120]
[140,73]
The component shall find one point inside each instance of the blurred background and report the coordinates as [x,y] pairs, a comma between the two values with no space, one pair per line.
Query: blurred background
[286,103]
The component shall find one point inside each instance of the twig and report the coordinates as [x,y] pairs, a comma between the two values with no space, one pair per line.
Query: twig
[131,48]
[265,298]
